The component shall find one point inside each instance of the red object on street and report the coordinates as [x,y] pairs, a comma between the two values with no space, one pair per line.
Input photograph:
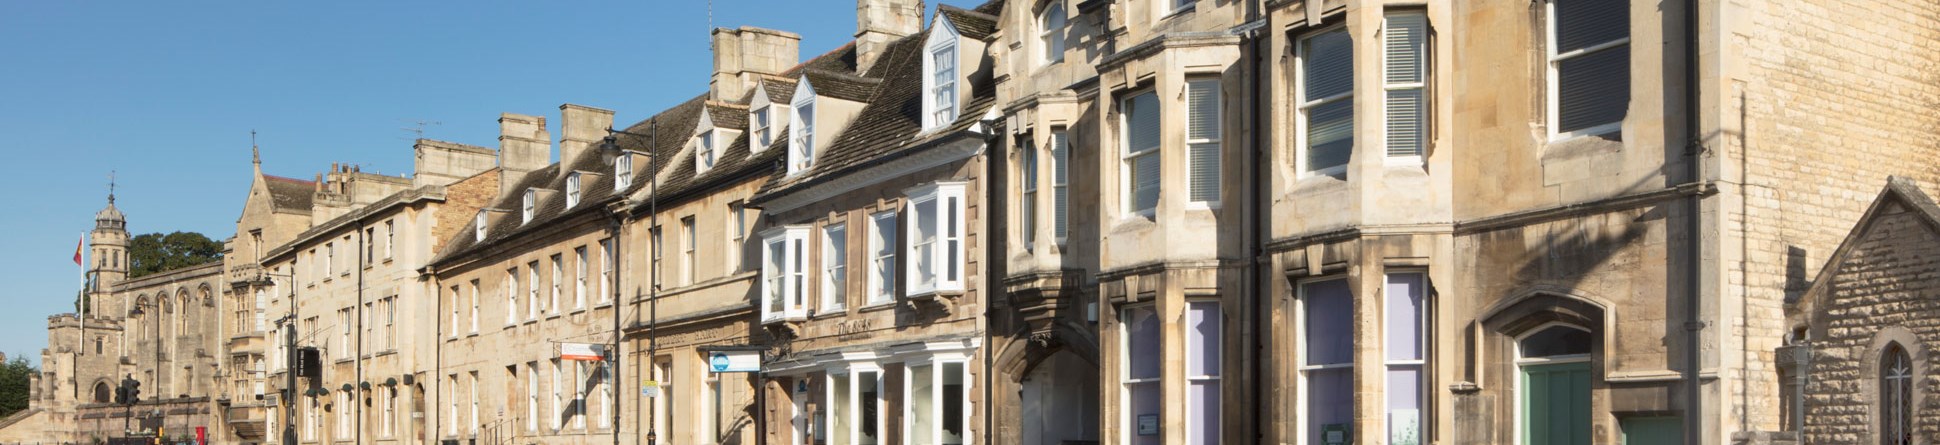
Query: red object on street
[201,435]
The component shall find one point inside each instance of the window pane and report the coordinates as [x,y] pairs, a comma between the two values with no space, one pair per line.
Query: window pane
[1404,311]
[1145,401]
[1202,109]
[1205,171]
[1059,174]
[952,242]
[1142,338]
[1404,39]
[1404,405]
[922,402]
[843,409]
[924,242]
[1555,341]
[1329,318]
[1202,402]
[867,393]
[1330,402]
[1329,63]
[953,396]
[1330,134]
[1142,122]
[1585,23]
[1406,111]
[1593,89]
[1203,338]
[1145,182]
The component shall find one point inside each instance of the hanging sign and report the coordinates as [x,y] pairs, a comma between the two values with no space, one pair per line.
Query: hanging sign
[734,361]
[649,388]
[590,352]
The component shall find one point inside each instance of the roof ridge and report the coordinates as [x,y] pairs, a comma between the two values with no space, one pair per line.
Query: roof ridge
[979,14]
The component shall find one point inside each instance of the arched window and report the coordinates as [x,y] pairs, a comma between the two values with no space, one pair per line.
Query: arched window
[1050,28]
[100,392]
[1896,396]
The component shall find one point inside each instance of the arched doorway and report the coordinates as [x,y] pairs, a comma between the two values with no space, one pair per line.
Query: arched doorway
[1059,401]
[1553,384]
[101,392]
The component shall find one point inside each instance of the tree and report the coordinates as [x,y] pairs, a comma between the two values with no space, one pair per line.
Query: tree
[16,385]
[154,252]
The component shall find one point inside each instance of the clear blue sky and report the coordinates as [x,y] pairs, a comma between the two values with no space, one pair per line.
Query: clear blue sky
[166,94]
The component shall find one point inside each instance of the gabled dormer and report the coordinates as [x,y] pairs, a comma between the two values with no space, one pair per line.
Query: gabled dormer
[801,141]
[768,114]
[706,145]
[952,53]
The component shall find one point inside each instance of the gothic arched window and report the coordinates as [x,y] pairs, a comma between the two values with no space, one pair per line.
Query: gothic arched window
[1896,396]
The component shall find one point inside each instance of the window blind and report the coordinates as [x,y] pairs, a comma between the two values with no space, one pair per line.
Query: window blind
[1202,139]
[1405,46]
[1141,151]
[1591,61]
[1327,60]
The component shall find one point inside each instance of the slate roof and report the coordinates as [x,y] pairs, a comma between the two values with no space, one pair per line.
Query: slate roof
[780,90]
[290,194]
[675,127]
[843,86]
[970,24]
[891,121]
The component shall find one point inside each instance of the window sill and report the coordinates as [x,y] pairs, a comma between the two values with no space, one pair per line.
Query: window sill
[581,310]
[831,313]
[386,352]
[603,305]
[552,316]
[473,334]
[877,306]
[1595,131]
[931,295]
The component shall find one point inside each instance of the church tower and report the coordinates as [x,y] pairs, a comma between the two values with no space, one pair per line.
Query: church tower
[108,250]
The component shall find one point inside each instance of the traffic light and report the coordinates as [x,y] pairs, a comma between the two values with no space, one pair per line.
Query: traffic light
[134,391]
[121,394]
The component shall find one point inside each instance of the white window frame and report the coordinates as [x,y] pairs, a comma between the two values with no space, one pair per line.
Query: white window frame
[451,422]
[1050,33]
[704,152]
[1060,184]
[1218,154]
[474,395]
[457,299]
[1390,86]
[572,190]
[532,396]
[532,309]
[1128,157]
[791,241]
[1304,426]
[1553,77]
[737,230]
[478,226]
[835,262]
[853,373]
[390,238]
[689,256]
[579,274]
[1389,363]
[946,198]
[801,139]
[474,299]
[512,296]
[558,398]
[1128,421]
[558,274]
[1192,420]
[883,229]
[1027,178]
[935,365]
[579,394]
[528,205]
[622,172]
[606,271]
[941,97]
[760,124]
[1307,104]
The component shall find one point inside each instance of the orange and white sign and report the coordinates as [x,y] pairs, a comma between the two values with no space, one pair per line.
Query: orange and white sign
[591,352]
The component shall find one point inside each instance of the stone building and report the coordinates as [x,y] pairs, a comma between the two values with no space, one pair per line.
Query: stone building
[1860,360]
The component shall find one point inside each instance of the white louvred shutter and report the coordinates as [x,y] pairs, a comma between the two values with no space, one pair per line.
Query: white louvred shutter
[1404,46]
[1202,137]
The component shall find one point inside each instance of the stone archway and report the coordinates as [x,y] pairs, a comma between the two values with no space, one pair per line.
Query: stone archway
[1058,401]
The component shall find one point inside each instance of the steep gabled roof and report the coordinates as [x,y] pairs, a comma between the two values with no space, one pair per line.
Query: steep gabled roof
[970,24]
[290,195]
[843,86]
[1898,193]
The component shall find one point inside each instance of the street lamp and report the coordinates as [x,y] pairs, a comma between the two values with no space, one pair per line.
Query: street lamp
[620,211]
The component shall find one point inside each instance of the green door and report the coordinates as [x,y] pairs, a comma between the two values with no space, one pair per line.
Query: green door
[1556,404]
[1653,431]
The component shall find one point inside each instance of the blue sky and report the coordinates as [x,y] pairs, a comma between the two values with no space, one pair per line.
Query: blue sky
[166,94]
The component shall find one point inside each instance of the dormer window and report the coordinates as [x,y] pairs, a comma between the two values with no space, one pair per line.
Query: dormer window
[572,190]
[801,153]
[478,225]
[622,172]
[1051,33]
[704,152]
[531,202]
[943,85]
[758,122]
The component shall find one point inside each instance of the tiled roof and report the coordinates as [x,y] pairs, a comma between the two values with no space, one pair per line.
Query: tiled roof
[727,115]
[780,90]
[843,86]
[290,194]
[891,122]
[672,124]
[992,7]
[970,24]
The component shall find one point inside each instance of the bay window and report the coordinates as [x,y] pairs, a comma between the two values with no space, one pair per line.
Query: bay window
[1140,373]
[1589,66]
[1326,360]
[783,290]
[1404,55]
[882,257]
[1203,129]
[936,238]
[1139,120]
[835,272]
[1325,122]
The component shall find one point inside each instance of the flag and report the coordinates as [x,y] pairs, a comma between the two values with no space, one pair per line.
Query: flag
[83,242]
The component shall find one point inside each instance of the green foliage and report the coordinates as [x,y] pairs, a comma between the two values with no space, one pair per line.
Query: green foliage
[16,385]
[154,252]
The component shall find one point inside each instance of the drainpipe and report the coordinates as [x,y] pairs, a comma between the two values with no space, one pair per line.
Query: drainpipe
[1693,152]
[1257,230]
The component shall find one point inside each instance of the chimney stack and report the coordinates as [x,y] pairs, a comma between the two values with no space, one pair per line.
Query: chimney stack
[524,145]
[878,22]
[581,127]
[744,53]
